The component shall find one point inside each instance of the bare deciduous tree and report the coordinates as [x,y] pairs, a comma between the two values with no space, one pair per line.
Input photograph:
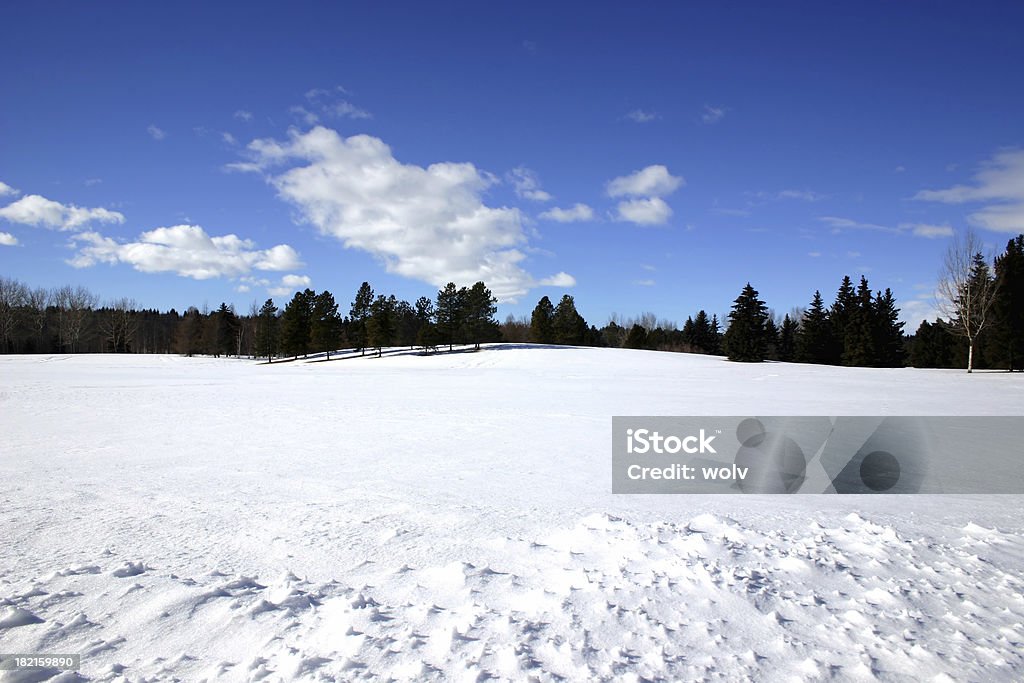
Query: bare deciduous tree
[966,290]
[73,307]
[12,298]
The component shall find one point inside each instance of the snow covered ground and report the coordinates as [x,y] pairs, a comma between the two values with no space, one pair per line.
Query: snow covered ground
[450,517]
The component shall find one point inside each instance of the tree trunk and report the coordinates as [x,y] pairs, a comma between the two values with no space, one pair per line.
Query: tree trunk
[970,356]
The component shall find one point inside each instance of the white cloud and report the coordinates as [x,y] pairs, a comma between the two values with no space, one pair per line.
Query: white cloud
[999,180]
[802,195]
[243,115]
[839,224]
[925,230]
[349,110]
[290,284]
[186,250]
[648,267]
[8,240]
[92,182]
[712,114]
[929,231]
[302,114]
[652,181]
[527,184]
[644,283]
[641,116]
[39,211]
[899,169]
[558,280]
[429,223]
[576,213]
[7,191]
[228,138]
[156,133]
[814,254]
[649,211]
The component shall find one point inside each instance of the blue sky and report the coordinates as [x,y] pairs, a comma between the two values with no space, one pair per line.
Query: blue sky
[650,158]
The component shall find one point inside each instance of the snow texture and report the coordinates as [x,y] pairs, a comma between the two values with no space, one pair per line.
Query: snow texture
[450,517]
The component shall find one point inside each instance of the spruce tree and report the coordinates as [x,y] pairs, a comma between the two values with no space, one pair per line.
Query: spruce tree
[701,332]
[449,313]
[814,341]
[839,318]
[542,330]
[359,314]
[889,352]
[1006,342]
[637,338]
[296,324]
[325,330]
[380,326]
[689,333]
[745,339]
[479,307]
[787,339]
[715,336]
[860,329]
[771,339]
[569,326]
[266,331]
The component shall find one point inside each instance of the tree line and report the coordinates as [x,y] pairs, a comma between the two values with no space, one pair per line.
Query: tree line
[312,323]
[982,327]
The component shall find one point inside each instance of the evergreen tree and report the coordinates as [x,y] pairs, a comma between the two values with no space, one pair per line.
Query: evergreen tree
[745,339]
[296,323]
[1006,342]
[569,326]
[932,346]
[380,326]
[449,313]
[542,329]
[814,342]
[715,337]
[190,337]
[701,334]
[771,339]
[358,315]
[479,307]
[787,339]
[689,333]
[424,317]
[839,318]
[860,331]
[325,330]
[407,324]
[266,331]
[889,351]
[637,338]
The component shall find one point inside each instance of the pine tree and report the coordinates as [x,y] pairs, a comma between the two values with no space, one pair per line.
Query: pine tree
[478,315]
[425,317]
[839,318]
[325,330]
[814,342]
[449,313]
[787,339]
[407,325]
[745,339]
[637,338]
[380,326]
[296,323]
[860,329]
[889,341]
[689,333]
[266,331]
[542,330]
[569,326]
[771,339]
[701,333]
[1006,342]
[715,336]
[358,315]
[932,346]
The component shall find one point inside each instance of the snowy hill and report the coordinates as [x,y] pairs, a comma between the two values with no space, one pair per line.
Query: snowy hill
[451,516]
